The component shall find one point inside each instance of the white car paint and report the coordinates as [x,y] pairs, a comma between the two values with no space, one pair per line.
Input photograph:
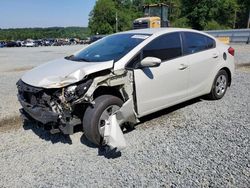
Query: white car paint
[172,82]
[62,72]
[160,93]
[30,44]
[200,68]
[159,87]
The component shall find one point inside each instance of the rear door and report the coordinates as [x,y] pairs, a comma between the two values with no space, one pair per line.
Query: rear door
[202,57]
[165,85]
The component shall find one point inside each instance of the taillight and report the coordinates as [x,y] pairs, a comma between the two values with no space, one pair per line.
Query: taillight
[231,51]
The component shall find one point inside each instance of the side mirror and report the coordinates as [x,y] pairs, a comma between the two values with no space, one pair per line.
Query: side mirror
[150,62]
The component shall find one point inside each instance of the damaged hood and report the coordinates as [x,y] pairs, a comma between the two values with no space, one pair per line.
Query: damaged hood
[62,72]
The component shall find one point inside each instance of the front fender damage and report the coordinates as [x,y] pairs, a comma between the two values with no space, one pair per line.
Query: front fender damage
[113,135]
[60,105]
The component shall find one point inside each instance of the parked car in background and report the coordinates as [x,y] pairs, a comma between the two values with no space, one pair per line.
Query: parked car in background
[130,74]
[2,44]
[12,44]
[60,42]
[96,38]
[86,41]
[31,44]
[38,42]
[49,42]
[74,41]
[19,43]
[23,43]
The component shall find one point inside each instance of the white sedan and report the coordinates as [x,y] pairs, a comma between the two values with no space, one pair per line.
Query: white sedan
[30,44]
[126,75]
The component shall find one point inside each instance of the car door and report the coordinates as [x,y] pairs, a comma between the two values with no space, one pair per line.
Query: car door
[202,57]
[165,85]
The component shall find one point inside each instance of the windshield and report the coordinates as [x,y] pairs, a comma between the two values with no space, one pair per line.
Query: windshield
[112,47]
[155,11]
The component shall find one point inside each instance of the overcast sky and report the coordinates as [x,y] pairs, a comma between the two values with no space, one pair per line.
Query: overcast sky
[44,13]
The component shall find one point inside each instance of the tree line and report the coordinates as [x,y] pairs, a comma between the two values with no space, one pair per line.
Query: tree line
[41,33]
[196,14]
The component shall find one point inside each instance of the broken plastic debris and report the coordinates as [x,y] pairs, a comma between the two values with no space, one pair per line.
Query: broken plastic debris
[113,135]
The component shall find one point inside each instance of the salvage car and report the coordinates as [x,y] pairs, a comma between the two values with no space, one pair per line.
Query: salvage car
[31,43]
[12,44]
[130,74]
[2,44]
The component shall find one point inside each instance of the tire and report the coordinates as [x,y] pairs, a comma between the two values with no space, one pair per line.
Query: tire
[220,85]
[96,114]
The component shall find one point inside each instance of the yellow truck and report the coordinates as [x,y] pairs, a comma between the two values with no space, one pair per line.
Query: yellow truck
[155,16]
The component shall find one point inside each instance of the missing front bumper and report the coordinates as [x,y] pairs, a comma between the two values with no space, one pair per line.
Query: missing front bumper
[38,113]
[52,126]
[47,119]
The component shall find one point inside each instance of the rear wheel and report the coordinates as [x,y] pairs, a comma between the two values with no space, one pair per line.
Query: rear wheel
[95,117]
[220,85]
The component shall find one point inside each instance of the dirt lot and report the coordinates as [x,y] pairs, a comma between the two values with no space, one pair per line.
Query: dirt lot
[199,143]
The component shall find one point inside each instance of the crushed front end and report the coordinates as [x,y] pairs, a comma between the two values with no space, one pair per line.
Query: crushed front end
[54,109]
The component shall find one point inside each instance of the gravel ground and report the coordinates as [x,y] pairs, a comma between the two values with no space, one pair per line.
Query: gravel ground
[199,143]
[242,54]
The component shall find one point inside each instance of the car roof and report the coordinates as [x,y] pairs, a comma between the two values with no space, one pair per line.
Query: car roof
[151,31]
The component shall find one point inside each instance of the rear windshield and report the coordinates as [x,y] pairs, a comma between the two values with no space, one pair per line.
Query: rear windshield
[112,47]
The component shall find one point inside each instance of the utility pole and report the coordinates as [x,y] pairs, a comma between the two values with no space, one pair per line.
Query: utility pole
[116,22]
[248,23]
[235,16]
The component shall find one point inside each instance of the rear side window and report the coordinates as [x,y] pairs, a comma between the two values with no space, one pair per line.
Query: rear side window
[164,47]
[195,42]
[210,43]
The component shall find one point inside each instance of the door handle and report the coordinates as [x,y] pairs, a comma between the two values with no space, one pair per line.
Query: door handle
[215,55]
[183,67]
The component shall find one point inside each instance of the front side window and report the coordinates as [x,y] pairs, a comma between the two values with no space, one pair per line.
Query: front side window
[113,47]
[165,47]
[195,42]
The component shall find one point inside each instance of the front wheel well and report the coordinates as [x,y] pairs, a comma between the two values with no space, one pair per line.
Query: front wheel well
[105,90]
[229,75]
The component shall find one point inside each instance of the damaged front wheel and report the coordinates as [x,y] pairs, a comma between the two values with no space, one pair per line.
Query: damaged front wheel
[95,117]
